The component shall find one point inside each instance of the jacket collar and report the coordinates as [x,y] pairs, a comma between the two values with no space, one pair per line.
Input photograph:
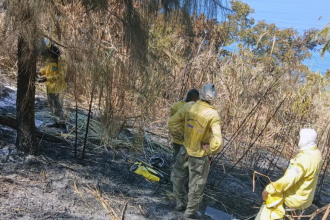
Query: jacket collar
[205,104]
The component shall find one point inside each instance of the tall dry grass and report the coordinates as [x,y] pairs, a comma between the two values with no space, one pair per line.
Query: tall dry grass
[262,105]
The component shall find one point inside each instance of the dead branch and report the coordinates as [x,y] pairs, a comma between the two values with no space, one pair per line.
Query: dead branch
[11,122]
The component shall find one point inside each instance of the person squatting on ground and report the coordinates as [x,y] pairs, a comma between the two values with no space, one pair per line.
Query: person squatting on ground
[192,164]
[192,96]
[296,188]
[53,74]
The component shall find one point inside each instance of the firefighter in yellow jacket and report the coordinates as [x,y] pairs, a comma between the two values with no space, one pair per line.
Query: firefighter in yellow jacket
[192,96]
[53,74]
[296,188]
[201,121]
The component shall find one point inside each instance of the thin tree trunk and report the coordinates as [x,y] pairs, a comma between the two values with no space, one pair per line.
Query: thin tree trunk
[76,100]
[88,119]
[26,135]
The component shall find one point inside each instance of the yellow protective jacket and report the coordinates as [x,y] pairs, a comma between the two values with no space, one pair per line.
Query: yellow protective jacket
[174,109]
[299,181]
[55,73]
[200,120]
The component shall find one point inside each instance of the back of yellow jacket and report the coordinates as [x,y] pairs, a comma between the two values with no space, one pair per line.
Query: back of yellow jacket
[176,107]
[299,181]
[55,73]
[200,120]
[174,110]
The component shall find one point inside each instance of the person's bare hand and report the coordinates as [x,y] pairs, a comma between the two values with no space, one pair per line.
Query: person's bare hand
[206,147]
[264,195]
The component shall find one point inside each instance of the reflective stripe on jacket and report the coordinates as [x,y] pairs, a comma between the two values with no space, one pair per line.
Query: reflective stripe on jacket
[201,120]
[299,181]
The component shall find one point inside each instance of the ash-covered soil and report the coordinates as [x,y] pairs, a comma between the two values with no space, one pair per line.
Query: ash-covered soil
[56,185]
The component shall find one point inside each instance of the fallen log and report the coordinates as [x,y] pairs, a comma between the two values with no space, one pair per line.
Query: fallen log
[8,121]
[11,122]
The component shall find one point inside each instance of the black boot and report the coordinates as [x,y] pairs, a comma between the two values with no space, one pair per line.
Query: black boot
[197,215]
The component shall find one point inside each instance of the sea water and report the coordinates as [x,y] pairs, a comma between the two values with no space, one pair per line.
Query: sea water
[300,15]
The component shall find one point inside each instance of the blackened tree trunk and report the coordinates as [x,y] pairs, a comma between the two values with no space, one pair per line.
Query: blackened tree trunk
[26,133]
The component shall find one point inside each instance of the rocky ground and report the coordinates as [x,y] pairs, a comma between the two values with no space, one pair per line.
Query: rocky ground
[56,185]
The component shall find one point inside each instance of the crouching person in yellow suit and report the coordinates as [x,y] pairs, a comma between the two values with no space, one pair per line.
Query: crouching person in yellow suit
[296,188]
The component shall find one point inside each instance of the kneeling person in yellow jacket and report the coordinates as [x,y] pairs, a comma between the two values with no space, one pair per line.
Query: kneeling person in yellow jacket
[200,121]
[296,188]
[54,75]
[192,96]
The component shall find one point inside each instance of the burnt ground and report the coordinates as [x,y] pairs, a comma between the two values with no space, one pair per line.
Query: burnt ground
[56,185]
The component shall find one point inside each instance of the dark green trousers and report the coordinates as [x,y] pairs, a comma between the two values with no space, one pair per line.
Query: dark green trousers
[194,170]
[55,101]
[176,150]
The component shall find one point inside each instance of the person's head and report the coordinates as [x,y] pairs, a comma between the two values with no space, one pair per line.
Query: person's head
[192,95]
[53,52]
[208,93]
[307,138]
[48,50]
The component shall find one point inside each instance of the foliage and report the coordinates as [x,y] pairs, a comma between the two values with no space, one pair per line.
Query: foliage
[324,35]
